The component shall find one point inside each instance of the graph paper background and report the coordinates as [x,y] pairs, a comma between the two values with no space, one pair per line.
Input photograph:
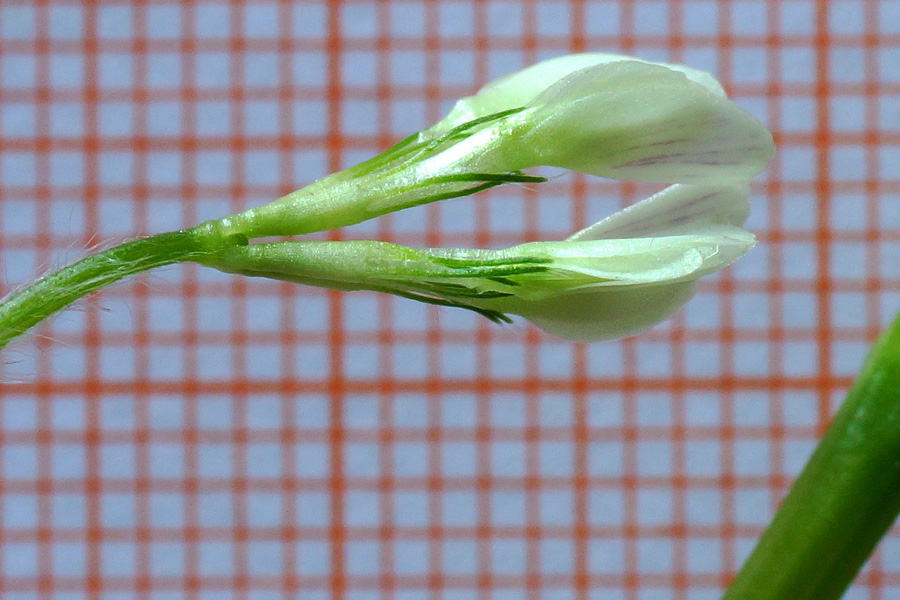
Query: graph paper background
[193,435]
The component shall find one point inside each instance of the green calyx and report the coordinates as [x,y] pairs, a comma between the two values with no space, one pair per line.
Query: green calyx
[401,177]
[422,275]
[419,145]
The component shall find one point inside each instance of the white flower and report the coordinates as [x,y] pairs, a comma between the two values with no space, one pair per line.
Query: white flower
[601,114]
[624,119]
[661,246]
[613,279]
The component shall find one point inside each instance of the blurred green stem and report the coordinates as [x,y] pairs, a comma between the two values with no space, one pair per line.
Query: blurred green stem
[844,501]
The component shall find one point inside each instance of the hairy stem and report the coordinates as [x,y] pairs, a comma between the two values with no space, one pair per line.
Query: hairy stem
[844,500]
[28,307]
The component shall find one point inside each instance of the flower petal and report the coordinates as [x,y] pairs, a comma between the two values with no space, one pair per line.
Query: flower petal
[677,210]
[639,121]
[521,87]
[602,313]
[636,261]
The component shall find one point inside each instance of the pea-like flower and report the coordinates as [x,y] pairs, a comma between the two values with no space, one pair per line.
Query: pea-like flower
[600,114]
[615,278]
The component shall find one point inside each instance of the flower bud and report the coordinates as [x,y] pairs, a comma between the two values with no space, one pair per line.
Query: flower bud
[600,114]
[639,121]
[615,278]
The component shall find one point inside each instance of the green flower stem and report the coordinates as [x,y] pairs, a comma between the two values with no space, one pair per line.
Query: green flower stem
[844,501]
[28,307]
